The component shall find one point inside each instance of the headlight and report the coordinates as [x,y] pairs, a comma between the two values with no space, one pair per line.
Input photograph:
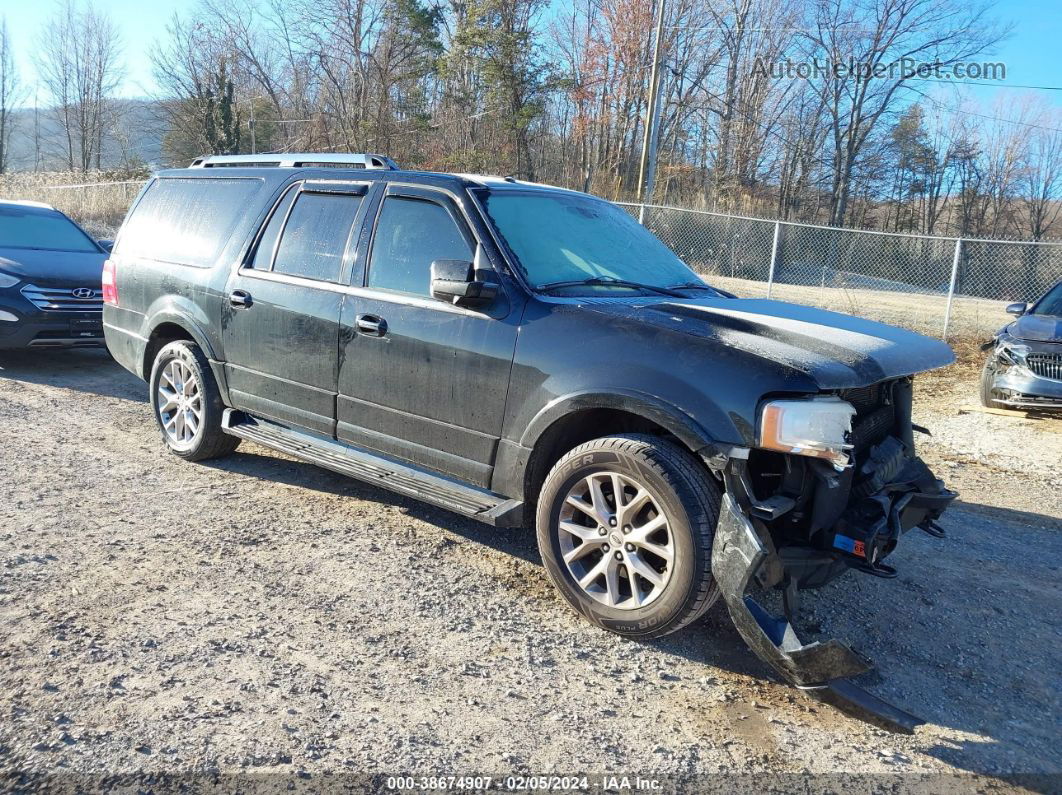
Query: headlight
[7,280]
[817,427]
[1012,353]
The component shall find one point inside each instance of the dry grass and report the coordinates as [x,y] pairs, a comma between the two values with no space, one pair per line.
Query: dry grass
[971,318]
[95,199]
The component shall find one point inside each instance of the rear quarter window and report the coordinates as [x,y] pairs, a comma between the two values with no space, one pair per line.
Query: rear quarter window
[186,221]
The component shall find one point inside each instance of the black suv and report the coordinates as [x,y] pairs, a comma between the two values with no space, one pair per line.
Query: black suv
[515,353]
[49,279]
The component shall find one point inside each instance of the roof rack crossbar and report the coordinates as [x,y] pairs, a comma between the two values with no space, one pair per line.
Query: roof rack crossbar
[297,160]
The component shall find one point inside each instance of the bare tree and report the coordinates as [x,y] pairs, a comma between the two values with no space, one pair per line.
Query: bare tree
[198,100]
[79,68]
[11,94]
[864,48]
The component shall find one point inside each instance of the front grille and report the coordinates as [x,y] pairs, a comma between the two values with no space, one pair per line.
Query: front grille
[62,299]
[863,398]
[875,414]
[1046,365]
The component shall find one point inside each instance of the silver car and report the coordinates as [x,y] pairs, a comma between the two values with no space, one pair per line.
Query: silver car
[1024,368]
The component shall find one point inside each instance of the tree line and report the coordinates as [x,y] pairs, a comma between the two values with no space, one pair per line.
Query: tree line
[556,92]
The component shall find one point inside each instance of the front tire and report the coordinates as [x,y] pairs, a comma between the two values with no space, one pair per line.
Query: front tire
[988,377]
[625,526]
[187,404]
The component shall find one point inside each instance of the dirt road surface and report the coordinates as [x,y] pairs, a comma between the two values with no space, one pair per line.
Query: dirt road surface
[259,615]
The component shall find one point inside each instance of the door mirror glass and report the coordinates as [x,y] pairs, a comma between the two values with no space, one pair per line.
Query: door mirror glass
[1018,309]
[457,282]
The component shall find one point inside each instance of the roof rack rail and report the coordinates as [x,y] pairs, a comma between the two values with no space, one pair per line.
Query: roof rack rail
[297,160]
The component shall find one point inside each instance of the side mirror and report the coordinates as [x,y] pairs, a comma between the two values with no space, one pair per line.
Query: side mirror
[456,282]
[106,245]
[1018,309]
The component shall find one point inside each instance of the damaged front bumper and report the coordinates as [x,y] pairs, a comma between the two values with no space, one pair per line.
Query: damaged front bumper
[899,494]
[1026,373]
[1022,388]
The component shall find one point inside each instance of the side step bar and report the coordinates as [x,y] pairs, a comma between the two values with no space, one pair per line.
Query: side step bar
[486,506]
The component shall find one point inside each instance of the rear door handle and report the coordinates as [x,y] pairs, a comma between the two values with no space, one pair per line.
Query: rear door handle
[241,299]
[371,325]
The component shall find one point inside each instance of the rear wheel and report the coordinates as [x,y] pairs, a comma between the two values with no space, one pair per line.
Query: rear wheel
[625,526]
[187,404]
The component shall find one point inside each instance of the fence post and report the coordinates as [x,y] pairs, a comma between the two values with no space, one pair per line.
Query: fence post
[641,214]
[951,287]
[774,257]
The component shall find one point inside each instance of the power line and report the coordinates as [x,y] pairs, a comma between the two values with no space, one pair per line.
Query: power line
[961,82]
[944,107]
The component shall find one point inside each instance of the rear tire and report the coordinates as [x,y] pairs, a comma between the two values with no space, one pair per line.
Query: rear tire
[640,568]
[187,404]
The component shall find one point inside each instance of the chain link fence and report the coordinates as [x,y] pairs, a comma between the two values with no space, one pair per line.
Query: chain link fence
[953,287]
[937,285]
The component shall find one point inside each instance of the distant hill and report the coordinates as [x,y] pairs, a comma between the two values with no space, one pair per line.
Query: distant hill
[136,137]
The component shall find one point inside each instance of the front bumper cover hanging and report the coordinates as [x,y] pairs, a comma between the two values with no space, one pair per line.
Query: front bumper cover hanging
[821,670]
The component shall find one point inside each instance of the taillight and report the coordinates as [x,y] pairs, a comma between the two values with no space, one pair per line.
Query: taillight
[110,284]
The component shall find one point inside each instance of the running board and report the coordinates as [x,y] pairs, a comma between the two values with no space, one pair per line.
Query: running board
[486,506]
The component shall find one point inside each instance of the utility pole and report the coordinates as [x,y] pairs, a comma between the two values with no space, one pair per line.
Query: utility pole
[250,123]
[647,169]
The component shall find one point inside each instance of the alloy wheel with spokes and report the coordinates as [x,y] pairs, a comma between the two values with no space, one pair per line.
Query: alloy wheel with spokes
[616,541]
[180,402]
[187,403]
[625,526]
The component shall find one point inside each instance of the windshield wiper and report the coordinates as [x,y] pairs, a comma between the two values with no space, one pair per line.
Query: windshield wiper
[702,286]
[612,282]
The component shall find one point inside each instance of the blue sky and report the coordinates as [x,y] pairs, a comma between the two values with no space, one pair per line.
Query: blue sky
[1029,53]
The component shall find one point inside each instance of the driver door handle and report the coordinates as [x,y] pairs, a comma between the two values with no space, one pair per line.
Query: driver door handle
[371,325]
[241,299]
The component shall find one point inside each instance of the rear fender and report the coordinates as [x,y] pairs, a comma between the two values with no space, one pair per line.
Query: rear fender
[191,319]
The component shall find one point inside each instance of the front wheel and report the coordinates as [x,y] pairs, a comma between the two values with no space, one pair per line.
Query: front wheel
[625,526]
[187,404]
[988,377]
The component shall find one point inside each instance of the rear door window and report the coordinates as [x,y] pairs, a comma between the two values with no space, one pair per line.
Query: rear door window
[315,236]
[410,235]
[267,243]
[186,221]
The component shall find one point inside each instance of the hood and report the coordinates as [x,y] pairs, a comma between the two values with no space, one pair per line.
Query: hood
[1037,328]
[48,268]
[835,351]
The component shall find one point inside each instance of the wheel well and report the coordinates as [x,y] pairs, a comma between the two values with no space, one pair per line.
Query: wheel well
[162,335]
[576,428]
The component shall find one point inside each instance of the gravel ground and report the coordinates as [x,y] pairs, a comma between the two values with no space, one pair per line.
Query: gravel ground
[258,615]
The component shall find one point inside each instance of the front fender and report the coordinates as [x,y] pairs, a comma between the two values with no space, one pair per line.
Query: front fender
[682,425]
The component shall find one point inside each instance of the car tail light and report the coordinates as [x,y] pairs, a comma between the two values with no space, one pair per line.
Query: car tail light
[110,283]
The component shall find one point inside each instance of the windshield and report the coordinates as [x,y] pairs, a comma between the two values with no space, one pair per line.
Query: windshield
[560,237]
[1050,304]
[31,228]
